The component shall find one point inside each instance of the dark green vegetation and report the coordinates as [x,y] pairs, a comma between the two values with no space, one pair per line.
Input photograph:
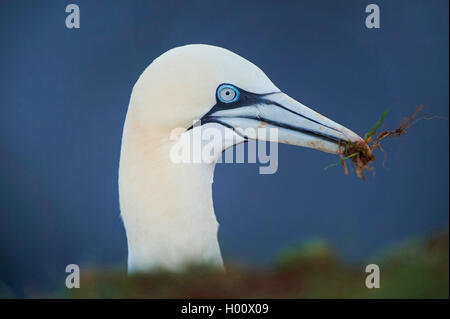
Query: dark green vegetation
[415,269]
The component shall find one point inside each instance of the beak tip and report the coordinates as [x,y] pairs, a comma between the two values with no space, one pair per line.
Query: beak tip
[352,136]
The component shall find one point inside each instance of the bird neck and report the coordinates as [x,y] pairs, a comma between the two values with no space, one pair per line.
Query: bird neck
[167,208]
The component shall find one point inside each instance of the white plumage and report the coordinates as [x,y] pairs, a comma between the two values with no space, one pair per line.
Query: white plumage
[166,207]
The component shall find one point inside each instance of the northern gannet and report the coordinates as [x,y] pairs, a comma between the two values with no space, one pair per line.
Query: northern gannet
[167,207]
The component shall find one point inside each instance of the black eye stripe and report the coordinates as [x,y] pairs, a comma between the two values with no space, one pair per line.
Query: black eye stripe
[245,99]
[248,98]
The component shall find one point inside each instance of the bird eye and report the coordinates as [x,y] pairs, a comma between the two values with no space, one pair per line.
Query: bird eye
[227,93]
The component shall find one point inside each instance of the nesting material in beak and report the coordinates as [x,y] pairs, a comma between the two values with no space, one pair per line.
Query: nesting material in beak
[360,152]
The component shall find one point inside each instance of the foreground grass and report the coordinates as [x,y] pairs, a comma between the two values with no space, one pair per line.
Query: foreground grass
[413,270]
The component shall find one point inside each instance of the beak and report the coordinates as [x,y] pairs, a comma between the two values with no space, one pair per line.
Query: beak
[296,124]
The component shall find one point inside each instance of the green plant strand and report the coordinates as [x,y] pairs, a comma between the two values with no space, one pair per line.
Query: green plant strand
[340,161]
[376,125]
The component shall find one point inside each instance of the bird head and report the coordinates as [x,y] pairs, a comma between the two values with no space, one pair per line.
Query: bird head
[210,85]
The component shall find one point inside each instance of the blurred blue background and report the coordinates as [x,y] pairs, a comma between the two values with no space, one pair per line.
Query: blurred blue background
[64,95]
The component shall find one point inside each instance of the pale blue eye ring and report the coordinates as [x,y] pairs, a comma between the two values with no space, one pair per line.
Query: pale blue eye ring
[227,93]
